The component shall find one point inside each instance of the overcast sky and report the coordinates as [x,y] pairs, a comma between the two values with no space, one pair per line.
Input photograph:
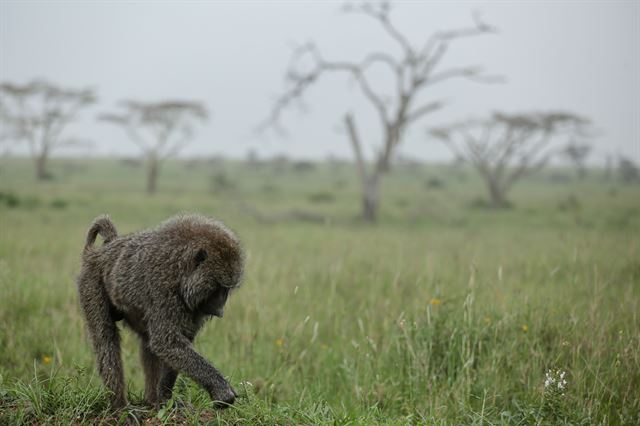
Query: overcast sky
[231,55]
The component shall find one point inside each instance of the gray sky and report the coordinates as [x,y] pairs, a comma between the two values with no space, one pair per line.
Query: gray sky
[231,55]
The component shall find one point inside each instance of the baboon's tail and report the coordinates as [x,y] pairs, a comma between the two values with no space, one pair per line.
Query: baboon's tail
[101,225]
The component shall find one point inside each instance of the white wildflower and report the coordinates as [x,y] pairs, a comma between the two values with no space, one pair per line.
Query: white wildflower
[549,379]
[555,385]
[556,378]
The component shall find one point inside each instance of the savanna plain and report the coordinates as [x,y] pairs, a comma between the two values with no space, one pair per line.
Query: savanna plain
[443,312]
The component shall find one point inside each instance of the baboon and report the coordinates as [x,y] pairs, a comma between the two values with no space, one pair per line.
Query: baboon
[164,283]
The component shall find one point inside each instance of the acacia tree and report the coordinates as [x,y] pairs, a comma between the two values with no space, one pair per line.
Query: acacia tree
[577,153]
[503,148]
[160,129]
[413,71]
[38,113]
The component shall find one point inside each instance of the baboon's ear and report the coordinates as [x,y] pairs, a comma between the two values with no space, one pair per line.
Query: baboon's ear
[200,257]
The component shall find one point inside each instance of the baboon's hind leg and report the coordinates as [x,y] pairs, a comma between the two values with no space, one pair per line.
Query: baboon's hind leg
[104,335]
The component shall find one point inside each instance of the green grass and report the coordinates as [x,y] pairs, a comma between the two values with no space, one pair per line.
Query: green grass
[442,313]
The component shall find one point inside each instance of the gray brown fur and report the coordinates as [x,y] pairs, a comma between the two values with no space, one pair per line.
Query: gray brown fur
[163,283]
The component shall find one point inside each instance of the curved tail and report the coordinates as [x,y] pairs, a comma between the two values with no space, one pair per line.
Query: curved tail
[103,226]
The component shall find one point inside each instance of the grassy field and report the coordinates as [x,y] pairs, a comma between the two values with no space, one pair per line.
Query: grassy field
[442,313]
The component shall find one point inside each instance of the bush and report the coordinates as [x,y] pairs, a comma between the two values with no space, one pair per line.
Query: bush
[9,199]
[303,166]
[434,182]
[270,188]
[59,203]
[571,203]
[483,203]
[220,182]
[322,197]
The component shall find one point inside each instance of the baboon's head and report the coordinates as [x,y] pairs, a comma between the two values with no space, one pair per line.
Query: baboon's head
[215,265]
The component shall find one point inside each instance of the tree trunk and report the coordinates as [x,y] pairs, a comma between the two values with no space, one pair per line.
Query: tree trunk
[41,167]
[497,195]
[582,172]
[370,182]
[152,175]
[370,198]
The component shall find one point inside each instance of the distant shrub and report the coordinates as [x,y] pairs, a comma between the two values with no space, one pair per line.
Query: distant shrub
[131,162]
[340,183]
[402,202]
[628,170]
[336,164]
[200,163]
[9,199]
[70,167]
[462,177]
[279,163]
[632,269]
[559,177]
[270,188]
[303,166]
[458,222]
[482,203]
[434,182]
[570,203]
[322,197]
[59,203]
[619,220]
[220,182]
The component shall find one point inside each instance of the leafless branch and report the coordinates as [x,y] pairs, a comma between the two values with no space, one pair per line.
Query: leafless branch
[418,113]
[381,13]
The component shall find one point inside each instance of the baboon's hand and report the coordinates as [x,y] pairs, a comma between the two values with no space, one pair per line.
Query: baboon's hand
[223,394]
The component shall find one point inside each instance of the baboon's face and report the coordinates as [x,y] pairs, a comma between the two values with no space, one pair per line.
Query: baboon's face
[216,273]
[214,305]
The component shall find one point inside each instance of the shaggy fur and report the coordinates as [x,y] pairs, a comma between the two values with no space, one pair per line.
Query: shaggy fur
[163,283]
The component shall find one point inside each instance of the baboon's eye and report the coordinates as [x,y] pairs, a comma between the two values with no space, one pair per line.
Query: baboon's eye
[201,256]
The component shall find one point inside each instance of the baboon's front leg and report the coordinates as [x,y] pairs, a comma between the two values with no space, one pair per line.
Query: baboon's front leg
[167,380]
[175,350]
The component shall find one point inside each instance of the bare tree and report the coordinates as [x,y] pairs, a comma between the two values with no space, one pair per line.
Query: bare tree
[413,71]
[38,112]
[160,129]
[577,153]
[504,148]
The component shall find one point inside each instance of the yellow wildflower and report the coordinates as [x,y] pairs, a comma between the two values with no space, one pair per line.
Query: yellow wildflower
[279,341]
[525,328]
[435,301]
[47,359]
